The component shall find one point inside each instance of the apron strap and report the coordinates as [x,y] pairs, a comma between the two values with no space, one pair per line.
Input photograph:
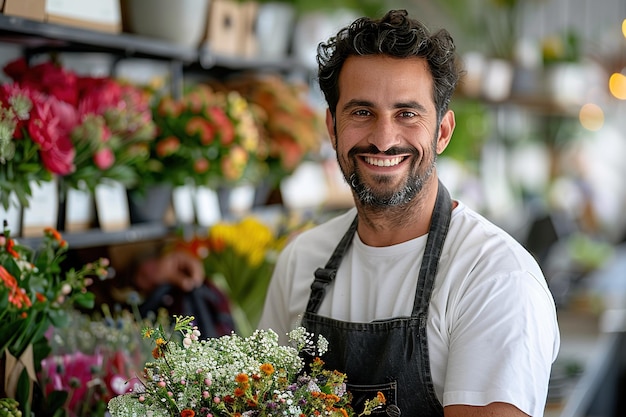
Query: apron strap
[432,252]
[428,269]
[324,276]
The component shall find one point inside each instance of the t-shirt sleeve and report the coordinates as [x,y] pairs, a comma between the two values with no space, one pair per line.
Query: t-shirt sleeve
[503,340]
[274,315]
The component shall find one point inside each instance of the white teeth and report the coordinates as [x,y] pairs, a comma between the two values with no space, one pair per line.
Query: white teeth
[383,162]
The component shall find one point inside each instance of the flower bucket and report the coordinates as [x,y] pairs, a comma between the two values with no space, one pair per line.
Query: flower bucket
[274,26]
[12,215]
[182,21]
[149,205]
[42,210]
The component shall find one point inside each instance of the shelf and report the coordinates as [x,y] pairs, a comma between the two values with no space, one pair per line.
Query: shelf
[39,35]
[97,237]
[209,61]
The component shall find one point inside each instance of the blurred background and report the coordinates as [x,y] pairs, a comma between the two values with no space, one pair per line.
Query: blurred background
[538,148]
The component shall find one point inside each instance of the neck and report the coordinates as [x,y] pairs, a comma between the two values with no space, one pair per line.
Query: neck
[398,224]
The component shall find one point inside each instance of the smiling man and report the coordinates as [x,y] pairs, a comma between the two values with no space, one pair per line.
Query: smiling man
[420,297]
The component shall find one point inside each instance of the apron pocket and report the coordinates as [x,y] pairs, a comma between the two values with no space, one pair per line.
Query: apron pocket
[362,393]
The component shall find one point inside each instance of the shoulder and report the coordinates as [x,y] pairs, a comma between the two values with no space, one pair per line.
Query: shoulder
[474,235]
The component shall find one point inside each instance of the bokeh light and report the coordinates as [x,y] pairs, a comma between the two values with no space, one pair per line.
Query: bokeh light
[591,117]
[624,27]
[617,85]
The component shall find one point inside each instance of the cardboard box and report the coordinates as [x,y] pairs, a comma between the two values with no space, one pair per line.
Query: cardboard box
[100,15]
[29,9]
[231,27]
[248,39]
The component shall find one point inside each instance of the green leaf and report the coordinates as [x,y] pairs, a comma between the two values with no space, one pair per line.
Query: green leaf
[85,300]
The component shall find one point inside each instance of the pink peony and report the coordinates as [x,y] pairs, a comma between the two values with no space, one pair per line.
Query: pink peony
[48,128]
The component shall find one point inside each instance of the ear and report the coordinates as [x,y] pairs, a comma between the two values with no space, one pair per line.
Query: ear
[330,127]
[446,127]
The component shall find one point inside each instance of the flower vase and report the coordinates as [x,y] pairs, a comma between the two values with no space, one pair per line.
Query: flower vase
[149,205]
[12,215]
[80,210]
[207,206]
[182,22]
[274,26]
[42,210]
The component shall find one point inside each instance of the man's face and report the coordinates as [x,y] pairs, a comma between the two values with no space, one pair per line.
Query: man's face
[386,133]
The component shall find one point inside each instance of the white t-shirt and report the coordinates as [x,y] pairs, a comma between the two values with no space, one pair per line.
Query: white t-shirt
[492,328]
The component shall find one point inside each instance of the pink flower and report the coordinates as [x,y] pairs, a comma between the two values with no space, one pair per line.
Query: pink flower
[104,158]
[50,131]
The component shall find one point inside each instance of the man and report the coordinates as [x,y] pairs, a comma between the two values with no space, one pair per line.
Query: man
[420,297]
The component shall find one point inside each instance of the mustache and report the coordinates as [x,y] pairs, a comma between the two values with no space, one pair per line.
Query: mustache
[373,149]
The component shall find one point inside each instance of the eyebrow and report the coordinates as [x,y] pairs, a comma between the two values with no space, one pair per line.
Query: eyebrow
[401,105]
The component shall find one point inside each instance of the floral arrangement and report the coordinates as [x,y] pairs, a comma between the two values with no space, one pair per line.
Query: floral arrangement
[242,268]
[292,128]
[235,376]
[81,128]
[205,138]
[35,294]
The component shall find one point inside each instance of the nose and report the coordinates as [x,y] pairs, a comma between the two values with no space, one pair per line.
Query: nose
[384,134]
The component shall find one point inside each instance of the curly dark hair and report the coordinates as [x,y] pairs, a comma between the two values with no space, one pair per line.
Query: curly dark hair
[395,35]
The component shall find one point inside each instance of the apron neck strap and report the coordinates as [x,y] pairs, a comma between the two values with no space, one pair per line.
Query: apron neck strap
[436,236]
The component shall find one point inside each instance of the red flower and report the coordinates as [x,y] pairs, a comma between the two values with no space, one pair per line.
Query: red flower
[187,413]
[223,124]
[48,78]
[98,95]
[200,165]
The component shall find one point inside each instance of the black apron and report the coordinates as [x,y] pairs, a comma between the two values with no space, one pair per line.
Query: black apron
[390,356]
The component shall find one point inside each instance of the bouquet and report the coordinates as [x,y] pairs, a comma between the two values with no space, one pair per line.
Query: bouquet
[235,376]
[292,128]
[54,122]
[34,142]
[35,294]
[205,138]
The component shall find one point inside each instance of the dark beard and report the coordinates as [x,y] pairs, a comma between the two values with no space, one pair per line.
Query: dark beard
[368,197]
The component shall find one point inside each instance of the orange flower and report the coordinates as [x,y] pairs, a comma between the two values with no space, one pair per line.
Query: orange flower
[200,126]
[167,146]
[332,398]
[16,296]
[9,246]
[239,392]
[187,413]
[343,412]
[267,368]
[381,397]
[49,231]
[169,107]
[241,378]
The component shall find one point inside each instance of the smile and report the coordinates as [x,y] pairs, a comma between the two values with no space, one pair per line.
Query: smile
[383,162]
